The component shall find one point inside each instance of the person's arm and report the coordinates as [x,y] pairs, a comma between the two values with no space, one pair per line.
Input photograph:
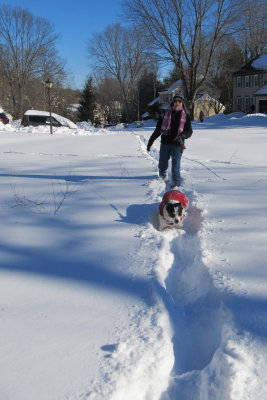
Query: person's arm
[155,134]
[187,132]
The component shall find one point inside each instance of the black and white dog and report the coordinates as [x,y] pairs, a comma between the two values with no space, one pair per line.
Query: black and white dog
[172,209]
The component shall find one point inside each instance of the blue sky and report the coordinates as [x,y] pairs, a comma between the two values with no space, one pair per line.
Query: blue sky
[75,21]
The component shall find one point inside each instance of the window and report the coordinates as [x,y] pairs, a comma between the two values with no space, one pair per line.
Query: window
[39,119]
[42,120]
[246,81]
[54,122]
[165,98]
[238,82]
[256,80]
[238,104]
[247,107]
[264,79]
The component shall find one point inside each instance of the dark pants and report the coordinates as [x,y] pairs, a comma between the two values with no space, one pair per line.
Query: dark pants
[175,153]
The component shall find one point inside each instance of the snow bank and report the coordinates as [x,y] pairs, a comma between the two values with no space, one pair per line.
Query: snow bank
[86,126]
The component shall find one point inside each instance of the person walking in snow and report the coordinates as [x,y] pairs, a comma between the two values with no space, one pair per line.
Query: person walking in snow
[174,127]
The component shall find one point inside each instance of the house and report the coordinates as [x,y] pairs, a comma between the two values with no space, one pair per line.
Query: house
[165,97]
[250,86]
[203,102]
[208,105]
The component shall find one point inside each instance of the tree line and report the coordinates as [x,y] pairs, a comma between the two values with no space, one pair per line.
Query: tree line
[28,57]
[203,41]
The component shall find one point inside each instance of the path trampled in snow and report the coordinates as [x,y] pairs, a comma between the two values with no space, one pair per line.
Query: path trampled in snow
[214,359]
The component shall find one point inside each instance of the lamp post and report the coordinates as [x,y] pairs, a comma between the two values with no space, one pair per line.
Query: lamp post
[48,85]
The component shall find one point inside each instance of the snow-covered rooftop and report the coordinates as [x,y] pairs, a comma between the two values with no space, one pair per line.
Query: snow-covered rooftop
[153,101]
[263,90]
[207,97]
[260,62]
[175,85]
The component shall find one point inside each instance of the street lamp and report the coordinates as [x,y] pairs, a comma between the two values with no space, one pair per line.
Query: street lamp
[48,85]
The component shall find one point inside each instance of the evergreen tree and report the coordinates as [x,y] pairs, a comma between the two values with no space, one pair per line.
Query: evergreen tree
[148,86]
[87,103]
[173,76]
[229,60]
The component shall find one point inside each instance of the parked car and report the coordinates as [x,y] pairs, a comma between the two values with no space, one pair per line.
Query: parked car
[3,118]
[37,117]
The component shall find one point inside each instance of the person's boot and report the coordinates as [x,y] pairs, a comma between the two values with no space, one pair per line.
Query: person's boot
[164,177]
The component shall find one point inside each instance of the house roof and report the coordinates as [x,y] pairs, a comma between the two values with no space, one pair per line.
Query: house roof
[203,96]
[178,85]
[258,64]
[200,96]
[207,97]
[175,85]
[146,114]
[153,101]
[262,91]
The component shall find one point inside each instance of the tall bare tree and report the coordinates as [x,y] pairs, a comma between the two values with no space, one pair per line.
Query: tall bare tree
[25,42]
[108,97]
[185,32]
[252,30]
[121,53]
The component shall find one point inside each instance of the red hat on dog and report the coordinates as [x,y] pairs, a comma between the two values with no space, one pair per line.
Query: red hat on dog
[176,196]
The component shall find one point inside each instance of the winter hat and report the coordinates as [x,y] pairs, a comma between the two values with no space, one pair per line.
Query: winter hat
[178,96]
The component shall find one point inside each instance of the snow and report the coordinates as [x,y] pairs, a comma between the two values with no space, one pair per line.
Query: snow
[96,303]
[263,90]
[154,101]
[260,62]
[175,85]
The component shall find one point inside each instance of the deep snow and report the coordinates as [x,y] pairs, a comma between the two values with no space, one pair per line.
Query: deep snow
[96,303]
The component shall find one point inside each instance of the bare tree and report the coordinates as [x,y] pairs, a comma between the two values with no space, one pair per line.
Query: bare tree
[252,31]
[185,32]
[108,97]
[121,53]
[25,42]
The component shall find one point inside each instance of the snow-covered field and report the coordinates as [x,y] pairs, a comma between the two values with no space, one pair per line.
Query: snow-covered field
[96,303]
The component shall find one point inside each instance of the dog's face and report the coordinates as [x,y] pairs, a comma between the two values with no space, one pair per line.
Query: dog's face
[172,209]
[173,213]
